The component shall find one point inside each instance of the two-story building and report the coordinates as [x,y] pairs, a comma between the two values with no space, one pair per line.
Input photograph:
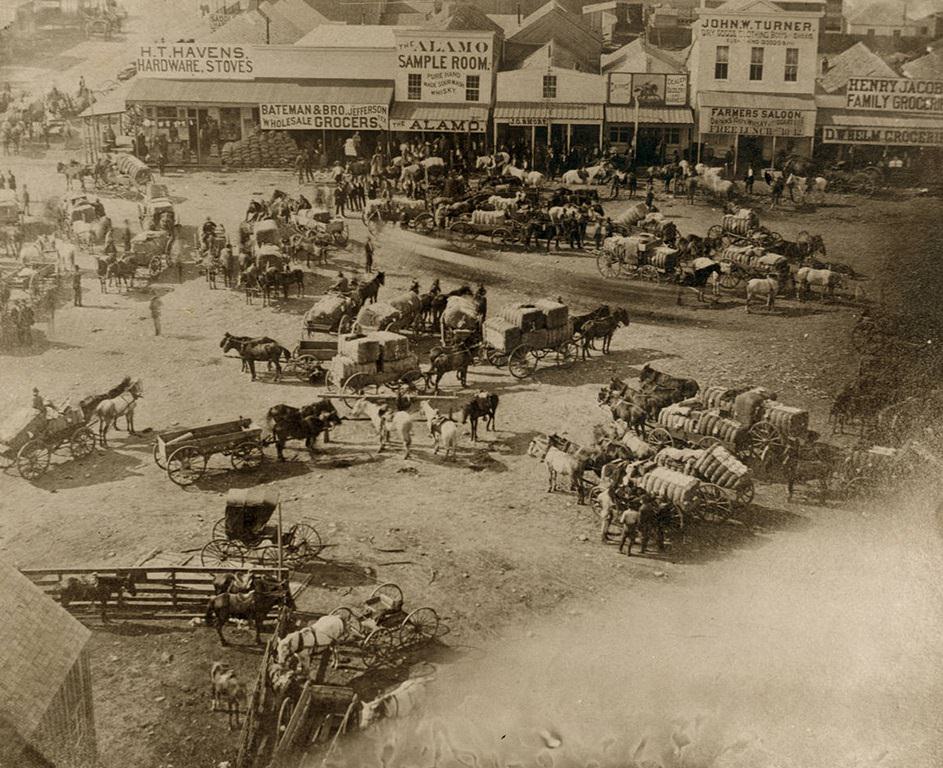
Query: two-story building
[753,68]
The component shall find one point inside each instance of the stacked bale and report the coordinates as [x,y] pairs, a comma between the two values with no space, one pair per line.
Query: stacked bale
[557,320]
[633,215]
[501,334]
[377,315]
[742,222]
[343,367]
[527,317]
[746,256]
[488,218]
[678,417]
[678,488]
[718,466]
[269,149]
[793,422]
[461,312]
[396,354]
[664,258]
[681,459]
[327,310]
[359,349]
[712,424]
[504,204]
[638,447]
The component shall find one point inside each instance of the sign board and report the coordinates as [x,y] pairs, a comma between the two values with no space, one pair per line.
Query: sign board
[304,117]
[219,19]
[889,94]
[754,31]
[459,125]
[899,137]
[528,121]
[444,64]
[194,61]
[653,89]
[757,121]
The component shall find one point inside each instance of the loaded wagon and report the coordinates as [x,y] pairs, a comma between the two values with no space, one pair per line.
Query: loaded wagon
[725,481]
[150,250]
[640,255]
[524,334]
[378,212]
[499,226]
[332,313]
[739,263]
[29,438]
[183,452]
[322,226]
[313,718]
[690,424]
[380,358]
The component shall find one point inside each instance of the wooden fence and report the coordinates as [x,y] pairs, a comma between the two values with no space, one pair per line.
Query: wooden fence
[162,591]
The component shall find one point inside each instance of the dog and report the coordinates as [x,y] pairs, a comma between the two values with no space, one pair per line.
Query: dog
[228,689]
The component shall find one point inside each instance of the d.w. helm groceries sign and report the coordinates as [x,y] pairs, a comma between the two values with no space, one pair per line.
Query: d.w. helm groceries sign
[192,61]
[442,65]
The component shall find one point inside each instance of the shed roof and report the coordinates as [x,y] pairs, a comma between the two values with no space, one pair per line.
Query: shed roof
[857,61]
[929,67]
[464,17]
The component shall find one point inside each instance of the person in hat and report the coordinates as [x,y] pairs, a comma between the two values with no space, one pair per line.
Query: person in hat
[368,250]
[76,287]
[341,285]
[38,403]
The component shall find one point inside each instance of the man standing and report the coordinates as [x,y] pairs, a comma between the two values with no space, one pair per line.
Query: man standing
[300,162]
[27,318]
[748,180]
[76,287]
[340,198]
[25,198]
[368,254]
[126,237]
[633,183]
[155,307]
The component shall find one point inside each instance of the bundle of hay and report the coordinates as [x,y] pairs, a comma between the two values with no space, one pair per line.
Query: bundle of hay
[407,302]
[791,421]
[461,312]
[527,317]
[327,310]
[360,349]
[501,334]
[378,315]
[678,488]
[718,466]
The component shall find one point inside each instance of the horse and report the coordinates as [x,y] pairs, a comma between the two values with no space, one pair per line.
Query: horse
[124,404]
[119,271]
[483,406]
[253,605]
[445,359]
[602,328]
[561,463]
[102,266]
[96,588]
[576,176]
[400,421]
[857,401]
[306,423]
[653,379]
[580,320]
[631,413]
[826,279]
[368,291]
[74,171]
[440,301]
[227,688]
[284,278]
[317,637]
[763,287]
[442,429]
[256,349]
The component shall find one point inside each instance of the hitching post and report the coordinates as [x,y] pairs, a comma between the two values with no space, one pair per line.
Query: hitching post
[279,539]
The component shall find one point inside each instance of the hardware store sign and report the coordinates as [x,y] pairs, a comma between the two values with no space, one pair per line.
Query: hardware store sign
[304,117]
[889,94]
[183,61]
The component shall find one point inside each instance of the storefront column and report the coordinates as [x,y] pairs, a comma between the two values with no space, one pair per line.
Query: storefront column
[569,136]
[533,143]
[600,136]
[736,154]
[772,161]
[699,144]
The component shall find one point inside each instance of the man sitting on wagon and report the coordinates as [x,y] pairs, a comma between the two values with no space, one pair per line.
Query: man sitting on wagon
[340,285]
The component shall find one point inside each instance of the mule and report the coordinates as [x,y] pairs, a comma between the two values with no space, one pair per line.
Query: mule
[483,406]
[254,350]
[442,429]
[763,288]
[368,291]
[445,359]
[603,328]
[306,423]
[383,421]
[124,404]
[317,637]
[825,279]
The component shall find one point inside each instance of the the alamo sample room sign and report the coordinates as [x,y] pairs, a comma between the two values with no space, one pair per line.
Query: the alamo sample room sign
[189,61]
[442,65]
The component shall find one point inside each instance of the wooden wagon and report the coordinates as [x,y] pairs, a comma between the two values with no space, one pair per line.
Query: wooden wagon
[183,452]
[308,359]
[28,439]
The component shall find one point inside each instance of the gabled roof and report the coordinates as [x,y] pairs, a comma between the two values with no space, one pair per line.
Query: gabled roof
[929,67]
[364,13]
[879,15]
[639,56]
[41,643]
[743,6]
[464,17]
[857,61]
[507,22]
[349,36]
[553,21]
[554,54]
[250,27]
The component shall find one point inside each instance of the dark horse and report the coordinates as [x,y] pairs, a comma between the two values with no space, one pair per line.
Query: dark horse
[602,328]
[253,605]
[483,406]
[276,278]
[253,350]
[96,589]
[368,291]
[445,359]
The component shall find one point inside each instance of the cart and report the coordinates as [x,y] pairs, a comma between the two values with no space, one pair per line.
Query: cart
[157,213]
[308,358]
[149,250]
[343,322]
[738,266]
[28,439]
[722,492]
[244,533]
[355,385]
[523,359]
[331,230]
[382,628]
[379,212]
[319,717]
[183,452]
[505,232]
[865,470]
[630,256]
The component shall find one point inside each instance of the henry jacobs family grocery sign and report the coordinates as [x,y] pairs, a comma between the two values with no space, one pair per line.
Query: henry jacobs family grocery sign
[757,121]
[303,117]
[898,137]
[444,64]
[761,32]
[186,61]
[888,94]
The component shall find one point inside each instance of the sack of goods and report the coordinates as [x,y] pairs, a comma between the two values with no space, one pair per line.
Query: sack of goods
[395,346]
[736,225]
[407,302]
[719,397]
[633,215]
[409,362]
[378,315]
[787,419]
[501,334]
[623,248]
[639,448]
[536,339]
[460,312]
[718,466]
[556,314]
[499,203]
[19,423]
[538,447]
[556,336]
[664,257]
[682,459]
[678,488]
[744,255]
[327,310]
[527,317]
[772,262]
[489,218]
[360,349]
[343,367]
[677,417]
[712,424]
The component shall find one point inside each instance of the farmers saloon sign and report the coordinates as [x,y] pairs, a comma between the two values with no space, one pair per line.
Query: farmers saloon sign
[442,64]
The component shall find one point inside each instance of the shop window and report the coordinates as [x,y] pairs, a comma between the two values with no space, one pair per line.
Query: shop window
[870,33]
[620,134]
[792,65]
[721,62]
[414,86]
[472,87]
[230,124]
[550,87]
[756,63]
[672,136]
[896,33]
[166,113]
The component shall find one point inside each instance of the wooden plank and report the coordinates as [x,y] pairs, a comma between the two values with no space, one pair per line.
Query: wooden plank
[168,569]
[205,430]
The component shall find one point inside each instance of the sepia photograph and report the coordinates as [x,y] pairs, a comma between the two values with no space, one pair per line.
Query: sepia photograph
[471,383]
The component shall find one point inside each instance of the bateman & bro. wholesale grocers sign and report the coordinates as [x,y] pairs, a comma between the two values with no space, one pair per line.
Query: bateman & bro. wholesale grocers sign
[303,117]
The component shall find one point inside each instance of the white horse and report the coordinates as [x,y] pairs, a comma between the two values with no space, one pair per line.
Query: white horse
[825,279]
[319,636]
[534,179]
[442,429]
[517,173]
[400,422]
[124,404]
[597,171]
[576,176]
[763,288]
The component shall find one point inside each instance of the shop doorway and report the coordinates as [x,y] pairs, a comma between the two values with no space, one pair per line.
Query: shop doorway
[586,138]
[750,153]
[648,151]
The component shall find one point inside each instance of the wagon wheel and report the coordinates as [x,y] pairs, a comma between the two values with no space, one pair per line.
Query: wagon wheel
[345,324]
[222,552]
[285,711]
[501,237]
[648,273]
[304,367]
[608,265]
[765,441]
[186,465]
[157,459]
[864,184]
[566,354]
[424,224]
[594,501]
[521,364]
[730,279]
[708,442]
[421,626]
[460,230]
[390,591]
[857,486]
[82,443]
[378,646]
[660,438]
[32,460]
[496,357]
[715,232]
[413,379]
[219,529]
[715,502]
[247,455]
[304,542]
[745,492]
[355,385]
[331,383]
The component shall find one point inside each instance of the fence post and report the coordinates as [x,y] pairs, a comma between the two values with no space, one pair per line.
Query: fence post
[173,588]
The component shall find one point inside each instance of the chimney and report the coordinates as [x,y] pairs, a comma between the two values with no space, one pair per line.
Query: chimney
[518,14]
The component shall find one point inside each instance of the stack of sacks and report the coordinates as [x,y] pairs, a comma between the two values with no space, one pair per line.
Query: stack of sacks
[681,459]
[343,367]
[460,312]
[712,424]
[678,488]
[557,320]
[638,447]
[327,310]
[747,406]
[508,204]
[359,349]
[793,422]
[527,317]
[488,218]
[501,334]
[633,215]
[664,258]
[718,466]
[377,315]
[772,262]
[746,256]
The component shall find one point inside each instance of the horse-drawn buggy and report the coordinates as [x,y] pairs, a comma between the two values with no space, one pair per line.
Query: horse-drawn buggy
[150,250]
[84,220]
[524,334]
[157,213]
[183,452]
[502,227]
[30,437]
[246,532]
[320,226]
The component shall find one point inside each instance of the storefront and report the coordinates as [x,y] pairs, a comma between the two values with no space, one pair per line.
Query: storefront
[447,127]
[754,129]
[655,104]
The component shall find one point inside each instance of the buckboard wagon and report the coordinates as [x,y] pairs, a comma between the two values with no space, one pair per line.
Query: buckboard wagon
[184,452]
[308,359]
[505,342]
[28,439]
